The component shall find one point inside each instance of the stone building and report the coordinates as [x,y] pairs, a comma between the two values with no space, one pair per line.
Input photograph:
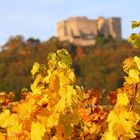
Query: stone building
[83,31]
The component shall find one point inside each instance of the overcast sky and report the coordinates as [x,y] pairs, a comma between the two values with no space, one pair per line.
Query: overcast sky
[38,18]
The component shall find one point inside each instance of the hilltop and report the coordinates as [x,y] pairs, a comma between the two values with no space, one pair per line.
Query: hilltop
[98,66]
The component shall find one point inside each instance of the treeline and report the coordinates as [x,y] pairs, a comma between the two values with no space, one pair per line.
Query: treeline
[98,66]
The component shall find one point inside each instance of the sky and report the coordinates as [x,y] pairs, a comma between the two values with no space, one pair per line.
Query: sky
[38,18]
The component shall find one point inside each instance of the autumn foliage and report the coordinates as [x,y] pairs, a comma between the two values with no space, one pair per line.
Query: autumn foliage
[58,109]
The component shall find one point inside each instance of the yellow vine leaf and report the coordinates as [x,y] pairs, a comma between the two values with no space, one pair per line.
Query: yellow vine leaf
[135,24]
[70,95]
[43,101]
[57,109]
[26,108]
[72,76]
[64,79]
[121,121]
[37,131]
[35,88]
[14,130]
[14,126]
[60,106]
[35,68]
[52,120]
[11,123]
[4,118]
[54,83]
[137,61]
[62,65]
[108,136]
[122,99]
[133,76]
[128,64]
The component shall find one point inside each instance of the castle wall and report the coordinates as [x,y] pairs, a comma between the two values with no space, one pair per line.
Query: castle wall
[82,31]
[103,26]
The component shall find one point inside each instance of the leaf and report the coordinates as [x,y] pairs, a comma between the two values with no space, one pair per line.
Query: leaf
[134,39]
[4,118]
[52,61]
[54,84]
[51,56]
[122,99]
[63,78]
[71,76]
[121,124]
[14,129]
[26,108]
[37,131]
[128,64]
[108,136]
[35,68]
[34,87]
[52,120]
[71,96]
[60,106]
[137,61]
[133,76]
[62,65]
[43,101]
[135,24]
[64,56]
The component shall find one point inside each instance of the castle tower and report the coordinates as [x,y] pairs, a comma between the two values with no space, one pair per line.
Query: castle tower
[115,27]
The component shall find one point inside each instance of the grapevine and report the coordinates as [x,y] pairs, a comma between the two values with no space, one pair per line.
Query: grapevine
[58,109]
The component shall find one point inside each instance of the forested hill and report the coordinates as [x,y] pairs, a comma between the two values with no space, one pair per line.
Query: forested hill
[98,66]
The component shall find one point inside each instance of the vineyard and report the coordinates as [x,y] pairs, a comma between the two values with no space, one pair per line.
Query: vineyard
[58,109]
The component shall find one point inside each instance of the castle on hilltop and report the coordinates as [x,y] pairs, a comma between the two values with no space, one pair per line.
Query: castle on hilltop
[83,31]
